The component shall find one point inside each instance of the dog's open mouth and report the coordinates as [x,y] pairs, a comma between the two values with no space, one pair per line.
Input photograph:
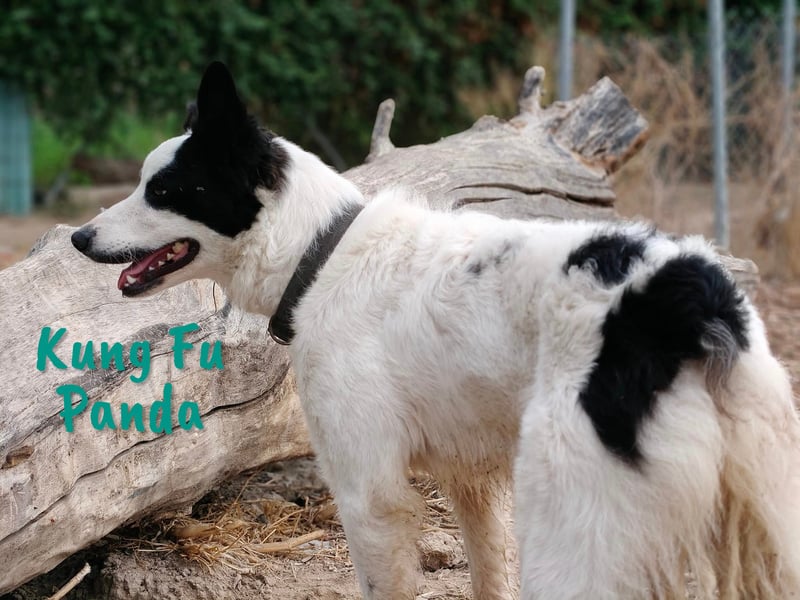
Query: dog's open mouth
[146,272]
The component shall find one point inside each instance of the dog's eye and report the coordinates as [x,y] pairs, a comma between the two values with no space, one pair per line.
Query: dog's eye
[160,192]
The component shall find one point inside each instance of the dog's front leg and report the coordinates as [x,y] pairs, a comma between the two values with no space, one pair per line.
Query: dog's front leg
[363,457]
[382,528]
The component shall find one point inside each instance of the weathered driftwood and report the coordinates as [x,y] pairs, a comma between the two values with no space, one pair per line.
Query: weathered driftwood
[543,162]
[60,491]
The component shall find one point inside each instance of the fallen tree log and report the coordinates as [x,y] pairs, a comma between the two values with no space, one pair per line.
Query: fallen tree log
[62,490]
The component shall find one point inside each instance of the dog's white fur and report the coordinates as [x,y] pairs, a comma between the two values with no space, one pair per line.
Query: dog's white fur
[405,359]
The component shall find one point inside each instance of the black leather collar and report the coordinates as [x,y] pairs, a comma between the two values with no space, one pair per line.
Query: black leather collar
[314,258]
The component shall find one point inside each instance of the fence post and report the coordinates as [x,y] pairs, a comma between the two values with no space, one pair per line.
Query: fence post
[717,53]
[788,65]
[16,190]
[566,40]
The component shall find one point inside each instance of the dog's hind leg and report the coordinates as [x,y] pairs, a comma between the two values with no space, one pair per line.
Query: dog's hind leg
[480,509]
[591,525]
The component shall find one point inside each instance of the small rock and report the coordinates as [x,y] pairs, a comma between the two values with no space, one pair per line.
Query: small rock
[440,550]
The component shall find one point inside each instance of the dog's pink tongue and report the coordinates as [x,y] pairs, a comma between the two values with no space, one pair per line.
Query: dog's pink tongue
[132,273]
[152,262]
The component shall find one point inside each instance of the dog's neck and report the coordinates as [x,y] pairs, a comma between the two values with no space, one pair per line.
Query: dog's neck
[281,324]
[267,255]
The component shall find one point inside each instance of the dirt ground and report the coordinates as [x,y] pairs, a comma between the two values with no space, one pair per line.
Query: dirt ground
[193,559]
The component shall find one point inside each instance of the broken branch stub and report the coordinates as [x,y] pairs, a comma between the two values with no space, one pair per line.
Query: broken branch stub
[380,143]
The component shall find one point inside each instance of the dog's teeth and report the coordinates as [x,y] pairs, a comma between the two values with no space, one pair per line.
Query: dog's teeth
[161,263]
[151,268]
[131,279]
[170,256]
[178,246]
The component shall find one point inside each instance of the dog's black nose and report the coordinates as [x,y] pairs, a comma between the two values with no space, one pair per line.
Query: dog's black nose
[83,237]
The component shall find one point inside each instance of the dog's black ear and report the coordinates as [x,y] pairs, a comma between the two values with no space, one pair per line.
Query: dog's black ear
[219,108]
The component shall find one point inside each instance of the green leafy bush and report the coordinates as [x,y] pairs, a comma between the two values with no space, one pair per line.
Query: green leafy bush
[310,69]
[51,154]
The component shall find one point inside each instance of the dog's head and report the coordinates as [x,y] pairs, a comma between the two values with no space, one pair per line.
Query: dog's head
[198,192]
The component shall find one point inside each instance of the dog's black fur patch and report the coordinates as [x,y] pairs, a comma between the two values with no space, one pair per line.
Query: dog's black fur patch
[608,256]
[215,172]
[647,340]
[503,253]
[476,267]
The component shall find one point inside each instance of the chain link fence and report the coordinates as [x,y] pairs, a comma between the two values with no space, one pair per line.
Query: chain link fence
[669,79]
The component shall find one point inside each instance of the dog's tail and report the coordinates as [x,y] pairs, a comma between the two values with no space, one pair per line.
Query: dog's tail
[756,536]
[753,538]
[695,311]
[722,349]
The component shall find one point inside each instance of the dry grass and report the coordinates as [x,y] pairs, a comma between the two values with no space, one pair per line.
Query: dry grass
[439,514]
[253,521]
[243,531]
[675,95]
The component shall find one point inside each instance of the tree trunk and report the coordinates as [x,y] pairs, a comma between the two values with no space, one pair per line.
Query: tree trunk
[60,491]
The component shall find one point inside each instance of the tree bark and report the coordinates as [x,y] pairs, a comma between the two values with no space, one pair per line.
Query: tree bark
[60,491]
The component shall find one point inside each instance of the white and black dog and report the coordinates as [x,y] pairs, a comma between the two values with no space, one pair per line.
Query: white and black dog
[618,372]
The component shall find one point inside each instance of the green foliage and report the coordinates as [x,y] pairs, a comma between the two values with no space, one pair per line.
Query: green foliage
[51,154]
[308,68]
[130,136]
[85,62]
[347,58]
